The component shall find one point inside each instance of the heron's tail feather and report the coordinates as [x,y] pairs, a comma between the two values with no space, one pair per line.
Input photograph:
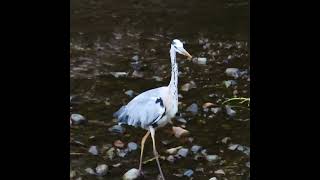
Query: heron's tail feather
[121,115]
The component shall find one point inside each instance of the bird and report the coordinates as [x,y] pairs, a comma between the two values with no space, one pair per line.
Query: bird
[154,108]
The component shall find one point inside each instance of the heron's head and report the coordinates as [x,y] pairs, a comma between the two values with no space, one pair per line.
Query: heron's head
[177,45]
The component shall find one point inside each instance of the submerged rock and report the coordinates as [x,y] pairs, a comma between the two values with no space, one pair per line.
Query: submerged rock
[233,72]
[78,119]
[201,60]
[230,111]
[188,173]
[119,74]
[131,174]
[117,129]
[118,144]
[93,150]
[193,108]
[195,149]
[233,147]
[186,87]
[173,150]
[90,171]
[132,146]
[213,178]
[129,93]
[101,170]
[220,171]
[179,132]
[212,158]
[229,83]
[183,152]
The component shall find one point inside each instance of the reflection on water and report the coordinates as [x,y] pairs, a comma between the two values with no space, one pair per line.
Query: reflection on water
[130,40]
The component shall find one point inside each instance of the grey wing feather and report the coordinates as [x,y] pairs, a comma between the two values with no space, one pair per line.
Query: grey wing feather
[144,110]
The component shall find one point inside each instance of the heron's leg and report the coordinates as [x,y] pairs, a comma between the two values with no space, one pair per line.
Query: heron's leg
[152,131]
[142,147]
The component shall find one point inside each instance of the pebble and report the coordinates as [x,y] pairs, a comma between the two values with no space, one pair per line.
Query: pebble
[110,153]
[101,170]
[213,178]
[78,119]
[117,129]
[186,87]
[137,74]
[90,171]
[193,108]
[135,58]
[182,120]
[188,173]
[195,148]
[220,171]
[131,174]
[119,74]
[248,164]
[72,174]
[183,152]
[233,147]
[230,111]
[121,152]
[207,105]
[93,150]
[170,158]
[118,144]
[225,140]
[179,132]
[212,158]
[201,60]
[216,110]
[233,72]
[173,150]
[229,83]
[132,146]
[129,93]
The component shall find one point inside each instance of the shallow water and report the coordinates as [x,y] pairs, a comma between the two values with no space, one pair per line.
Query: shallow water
[106,35]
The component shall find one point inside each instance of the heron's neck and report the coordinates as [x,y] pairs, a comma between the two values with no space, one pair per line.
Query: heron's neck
[173,86]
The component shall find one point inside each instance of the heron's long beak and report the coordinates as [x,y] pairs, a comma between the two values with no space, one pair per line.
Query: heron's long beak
[184,52]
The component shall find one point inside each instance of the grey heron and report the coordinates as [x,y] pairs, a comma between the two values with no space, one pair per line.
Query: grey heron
[154,108]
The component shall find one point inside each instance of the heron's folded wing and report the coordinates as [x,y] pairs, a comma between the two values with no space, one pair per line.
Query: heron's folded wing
[143,111]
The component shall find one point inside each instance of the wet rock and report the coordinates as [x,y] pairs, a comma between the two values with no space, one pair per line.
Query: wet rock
[166,142]
[116,165]
[183,152]
[78,119]
[201,60]
[193,108]
[135,58]
[188,173]
[233,72]
[117,129]
[213,178]
[248,164]
[173,150]
[132,146]
[122,152]
[101,170]
[212,158]
[182,120]
[225,140]
[216,110]
[118,144]
[179,132]
[170,158]
[129,93]
[90,171]
[157,78]
[229,83]
[240,148]
[119,74]
[233,147]
[220,171]
[110,153]
[93,150]
[72,174]
[230,111]
[204,152]
[137,74]
[186,87]
[195,149]
[207,105]
[131,174]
